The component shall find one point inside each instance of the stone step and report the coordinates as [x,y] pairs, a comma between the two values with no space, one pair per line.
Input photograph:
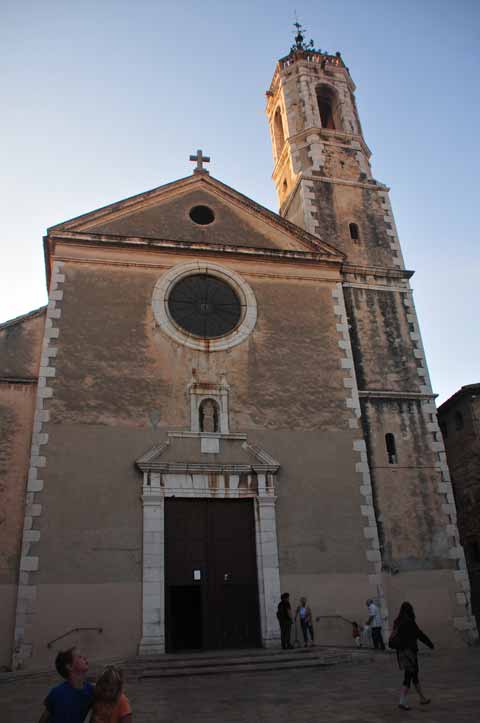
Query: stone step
[237,654]
[199,662]
[211,663]
[239,662]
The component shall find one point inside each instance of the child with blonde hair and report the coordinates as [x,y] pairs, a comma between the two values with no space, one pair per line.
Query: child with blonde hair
[110,704]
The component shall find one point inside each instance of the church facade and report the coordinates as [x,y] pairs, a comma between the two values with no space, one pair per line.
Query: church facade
[220,403]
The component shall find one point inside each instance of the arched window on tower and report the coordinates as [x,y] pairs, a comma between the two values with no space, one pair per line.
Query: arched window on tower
[354,232]
[458,421]
[391,448]
[208,413]
[328,107]
[278,132]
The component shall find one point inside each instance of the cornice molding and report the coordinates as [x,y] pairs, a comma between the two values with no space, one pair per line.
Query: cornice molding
[349,268]
[331,137]
[80,238]
[18,380]
[371,185]
[391,394]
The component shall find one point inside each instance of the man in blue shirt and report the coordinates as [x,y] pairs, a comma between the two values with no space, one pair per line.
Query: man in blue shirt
[70,701]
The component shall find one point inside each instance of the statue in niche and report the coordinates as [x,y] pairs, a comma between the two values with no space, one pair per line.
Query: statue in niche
[208,416]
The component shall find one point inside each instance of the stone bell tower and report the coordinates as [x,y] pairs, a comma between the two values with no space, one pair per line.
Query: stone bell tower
[322,170]
[324,183]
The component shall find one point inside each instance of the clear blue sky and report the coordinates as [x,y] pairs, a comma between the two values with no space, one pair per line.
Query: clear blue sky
[102,100]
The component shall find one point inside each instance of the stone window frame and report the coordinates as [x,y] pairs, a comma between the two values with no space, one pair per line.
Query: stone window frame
[391,448]
[354,232]
[166,324]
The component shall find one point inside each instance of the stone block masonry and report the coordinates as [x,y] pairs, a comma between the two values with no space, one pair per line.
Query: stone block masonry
[367,510]
[29,562]
[463,620]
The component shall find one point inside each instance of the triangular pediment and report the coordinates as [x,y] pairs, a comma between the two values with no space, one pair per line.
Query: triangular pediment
[164,214]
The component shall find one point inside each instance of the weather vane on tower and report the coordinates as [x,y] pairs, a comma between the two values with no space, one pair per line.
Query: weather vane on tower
[300,43]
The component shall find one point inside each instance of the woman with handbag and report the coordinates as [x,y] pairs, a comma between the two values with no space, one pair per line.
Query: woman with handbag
[404,640]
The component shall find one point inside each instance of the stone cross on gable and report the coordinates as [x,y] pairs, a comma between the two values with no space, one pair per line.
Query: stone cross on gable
[200,159]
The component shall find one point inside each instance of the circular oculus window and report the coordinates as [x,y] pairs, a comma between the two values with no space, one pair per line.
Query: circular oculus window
[203,215]
[205,306]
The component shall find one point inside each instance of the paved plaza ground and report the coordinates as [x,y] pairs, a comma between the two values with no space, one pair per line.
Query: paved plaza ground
[365,692]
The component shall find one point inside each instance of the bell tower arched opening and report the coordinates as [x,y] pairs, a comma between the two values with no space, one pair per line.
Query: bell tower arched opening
[279,134]
[328,107]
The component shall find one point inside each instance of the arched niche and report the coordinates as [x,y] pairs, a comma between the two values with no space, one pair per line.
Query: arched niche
[209,415]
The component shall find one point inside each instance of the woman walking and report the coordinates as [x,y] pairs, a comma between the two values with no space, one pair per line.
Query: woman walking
[404,640]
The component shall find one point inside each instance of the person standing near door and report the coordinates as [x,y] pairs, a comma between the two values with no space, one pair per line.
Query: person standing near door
[306,621]
[375,623]
[284,617]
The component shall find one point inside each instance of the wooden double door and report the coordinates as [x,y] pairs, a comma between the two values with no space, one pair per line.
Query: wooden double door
[211,589]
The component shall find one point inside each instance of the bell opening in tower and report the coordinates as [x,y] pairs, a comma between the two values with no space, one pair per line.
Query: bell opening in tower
[326,107]
[279,132]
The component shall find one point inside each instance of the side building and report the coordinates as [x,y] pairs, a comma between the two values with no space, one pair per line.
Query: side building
[459,419]
[20,345]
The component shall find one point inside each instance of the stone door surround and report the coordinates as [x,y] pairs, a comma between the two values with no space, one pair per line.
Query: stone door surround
[254,476]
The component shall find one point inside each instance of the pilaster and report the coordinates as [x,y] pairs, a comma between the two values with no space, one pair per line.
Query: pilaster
[153,574]
[268,568]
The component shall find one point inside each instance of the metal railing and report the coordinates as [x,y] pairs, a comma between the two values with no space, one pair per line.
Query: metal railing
[69,632]
[338,617]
